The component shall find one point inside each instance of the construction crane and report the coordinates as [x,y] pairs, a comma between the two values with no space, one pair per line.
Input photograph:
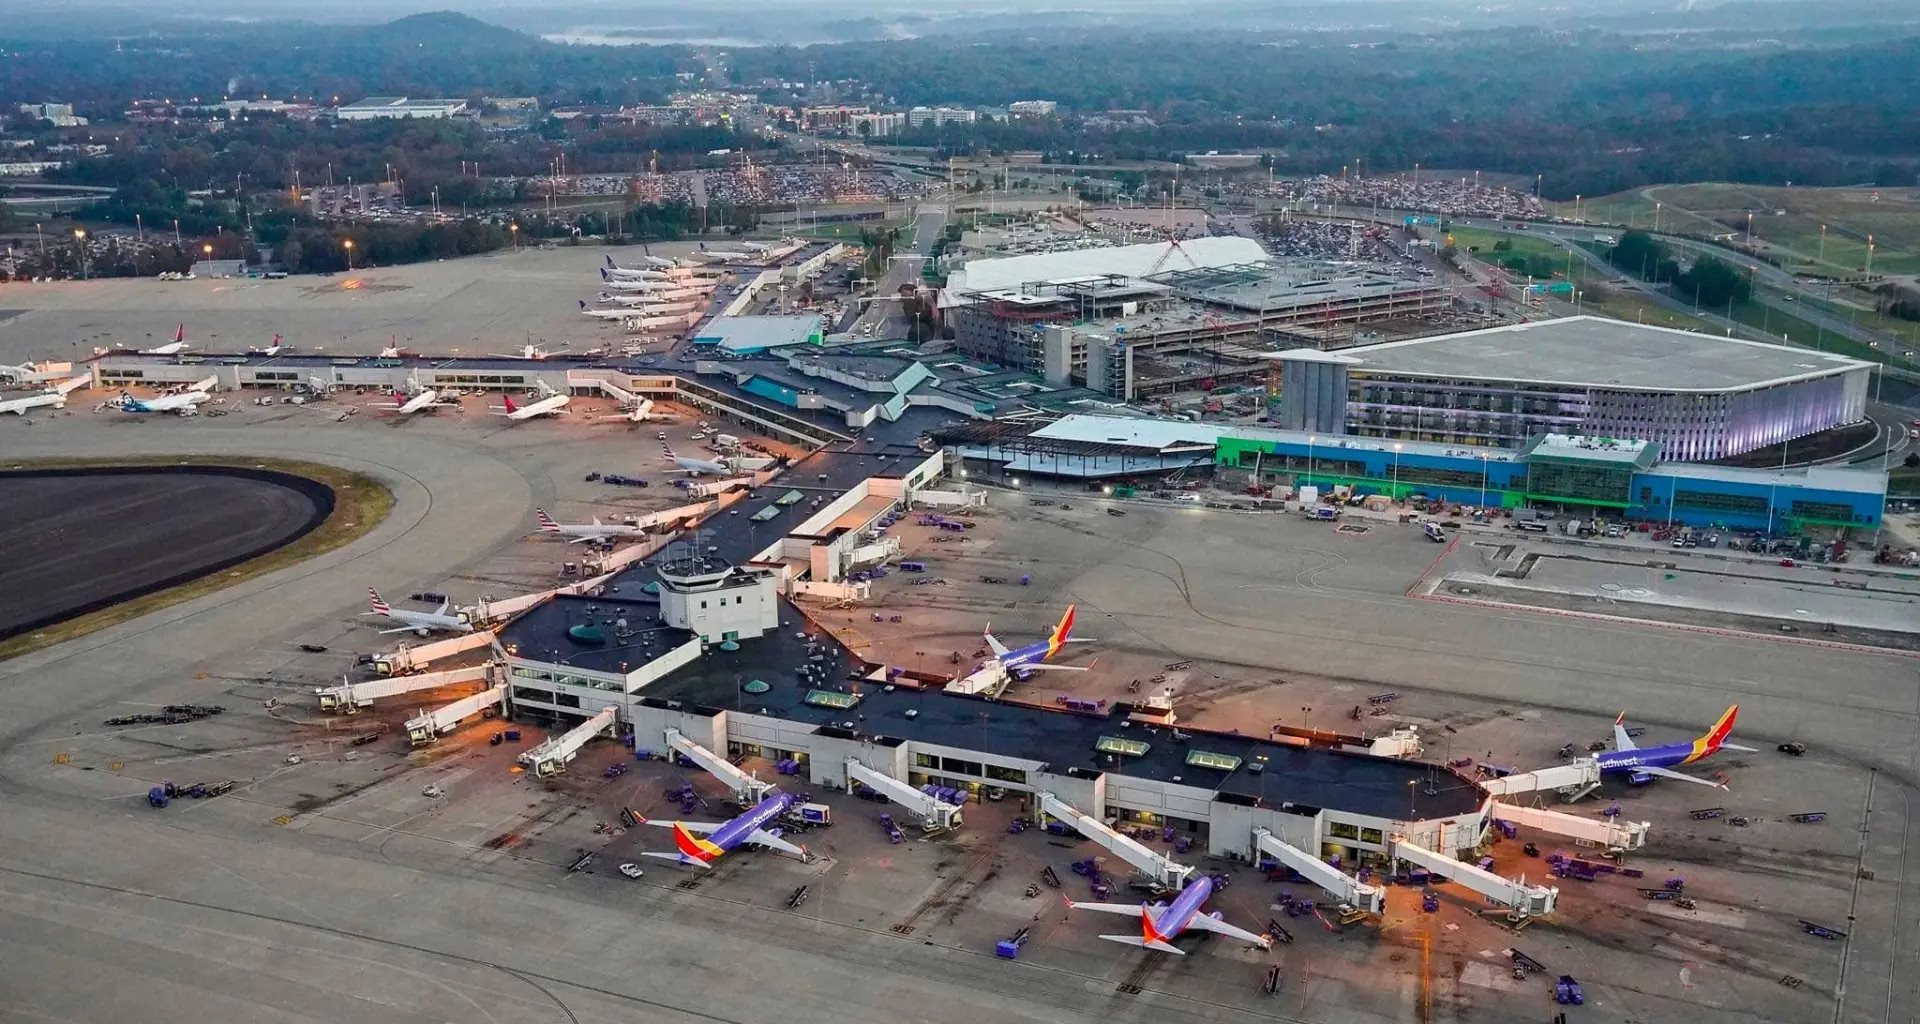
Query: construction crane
[1172,247]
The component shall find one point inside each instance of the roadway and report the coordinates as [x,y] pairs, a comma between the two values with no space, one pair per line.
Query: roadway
[929,220]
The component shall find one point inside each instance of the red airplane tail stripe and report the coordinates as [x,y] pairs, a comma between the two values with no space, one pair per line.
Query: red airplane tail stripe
[1722,728]
[692,846]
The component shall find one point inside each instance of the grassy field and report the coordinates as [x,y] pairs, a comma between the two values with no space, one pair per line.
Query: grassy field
[849,232]
[359,504]
[1786,218]
[1480,244]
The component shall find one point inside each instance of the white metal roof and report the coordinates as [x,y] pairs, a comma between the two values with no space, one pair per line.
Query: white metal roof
[1128,260]
[1126,430]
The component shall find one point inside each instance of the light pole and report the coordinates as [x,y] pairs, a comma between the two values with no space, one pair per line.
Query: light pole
[1396,470]
[347,244]
[1310,440]
[1656,218]
[80,249]
[1821,256]
[513,230]
[1483,479]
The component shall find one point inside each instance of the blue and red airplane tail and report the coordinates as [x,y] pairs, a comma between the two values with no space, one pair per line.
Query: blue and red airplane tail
[1716,737]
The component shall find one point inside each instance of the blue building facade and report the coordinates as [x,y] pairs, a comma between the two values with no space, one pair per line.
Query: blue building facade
[1588,477]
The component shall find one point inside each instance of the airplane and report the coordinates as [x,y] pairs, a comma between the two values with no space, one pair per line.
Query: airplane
[413,400]
[720,254]
[659,262]
[171,348]
[528,351]
[616,277]
[1021,661]
[651,298]
[575,533]
[269,350]
[723,837]
[551,403]
[181,403]
[1161,923]
[419,622]
[44,400]
[756,247]
[1641,763]
[605,314]
[693,466]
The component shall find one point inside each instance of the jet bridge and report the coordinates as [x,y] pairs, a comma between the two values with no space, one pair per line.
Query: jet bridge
[1612,834]
[349,698]
[428,726]
[746,789]
[1163,870]
[935,815]
[1522,901]
[1571,781]
[1350,891]
[551,757]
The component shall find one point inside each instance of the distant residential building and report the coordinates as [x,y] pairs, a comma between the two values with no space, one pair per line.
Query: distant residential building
[876,126]
[374,107]
[1033,108]
[831,117]
[940,116]
[60,114]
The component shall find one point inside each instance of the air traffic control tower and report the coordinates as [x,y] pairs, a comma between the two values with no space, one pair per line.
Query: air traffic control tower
[720,602]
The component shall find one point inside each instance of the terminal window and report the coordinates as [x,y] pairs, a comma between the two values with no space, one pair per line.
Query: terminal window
[1749,504]
[1828,510]
[1580,482]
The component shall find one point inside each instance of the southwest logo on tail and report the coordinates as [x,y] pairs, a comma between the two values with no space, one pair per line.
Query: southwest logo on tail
[1061,632]
[1021,661]
[693,846]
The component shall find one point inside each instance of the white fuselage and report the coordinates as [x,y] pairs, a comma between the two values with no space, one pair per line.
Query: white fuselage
[549,406]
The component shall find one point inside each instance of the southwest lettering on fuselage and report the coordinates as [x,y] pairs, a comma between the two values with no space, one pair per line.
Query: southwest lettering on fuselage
[1161,923]
[1660,760]
[1020,661]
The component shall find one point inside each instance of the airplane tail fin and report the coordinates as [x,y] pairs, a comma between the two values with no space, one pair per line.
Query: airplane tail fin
[1159,945]
[1722,728]
[610,260]
[1062,630]
[379,607]
[546,521]
[583,303]
[180,334]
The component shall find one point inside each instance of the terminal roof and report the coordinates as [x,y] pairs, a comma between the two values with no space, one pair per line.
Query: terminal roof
[1589,351]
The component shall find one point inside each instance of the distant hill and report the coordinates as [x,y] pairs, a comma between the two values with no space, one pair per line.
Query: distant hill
[447,32]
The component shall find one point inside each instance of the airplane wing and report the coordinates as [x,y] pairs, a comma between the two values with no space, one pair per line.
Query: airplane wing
[762,837]
[999,649]
[1129,909]
[402,629]
[1041,666]
[1622,741]
[1213,924]
[1668,773]
[1736,746]
[580,540]
[700,827]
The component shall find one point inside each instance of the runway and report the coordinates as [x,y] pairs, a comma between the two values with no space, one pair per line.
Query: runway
[102,536]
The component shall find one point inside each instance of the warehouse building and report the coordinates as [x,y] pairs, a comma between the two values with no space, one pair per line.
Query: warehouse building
[374,107]
[1697,396]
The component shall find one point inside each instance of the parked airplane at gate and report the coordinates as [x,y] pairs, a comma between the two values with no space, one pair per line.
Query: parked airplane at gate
[1161,923]
[577,532]
[171,348]
[551,403]
[267,350]
[1642,763]
[605,314]
[415,399]
[1020,661]
[441,619]
[721,838]
[616,277]
[181,403]
[692,465]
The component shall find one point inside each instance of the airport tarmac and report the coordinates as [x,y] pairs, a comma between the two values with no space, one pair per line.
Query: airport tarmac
[336,889]
[477,306]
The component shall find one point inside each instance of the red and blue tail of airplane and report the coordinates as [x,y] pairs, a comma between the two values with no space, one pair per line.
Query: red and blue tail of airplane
[1716,737]
[379,607]
[693,847]
[546,521]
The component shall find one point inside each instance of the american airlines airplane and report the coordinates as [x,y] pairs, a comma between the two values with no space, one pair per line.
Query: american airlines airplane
[578,532]
[551,403]
[441,619]
[695,467]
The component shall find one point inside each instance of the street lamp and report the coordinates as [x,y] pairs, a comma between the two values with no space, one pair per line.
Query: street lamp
[80,244]
[1310,440]
[347,244]
[1483,479]
[1396,470]
[513,231]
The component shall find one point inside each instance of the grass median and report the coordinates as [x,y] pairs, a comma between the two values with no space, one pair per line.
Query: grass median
[360,503]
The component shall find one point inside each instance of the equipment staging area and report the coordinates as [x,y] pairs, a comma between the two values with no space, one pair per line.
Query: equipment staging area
[366,881]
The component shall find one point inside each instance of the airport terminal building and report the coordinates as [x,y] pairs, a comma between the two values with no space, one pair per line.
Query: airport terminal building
[1698,397]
